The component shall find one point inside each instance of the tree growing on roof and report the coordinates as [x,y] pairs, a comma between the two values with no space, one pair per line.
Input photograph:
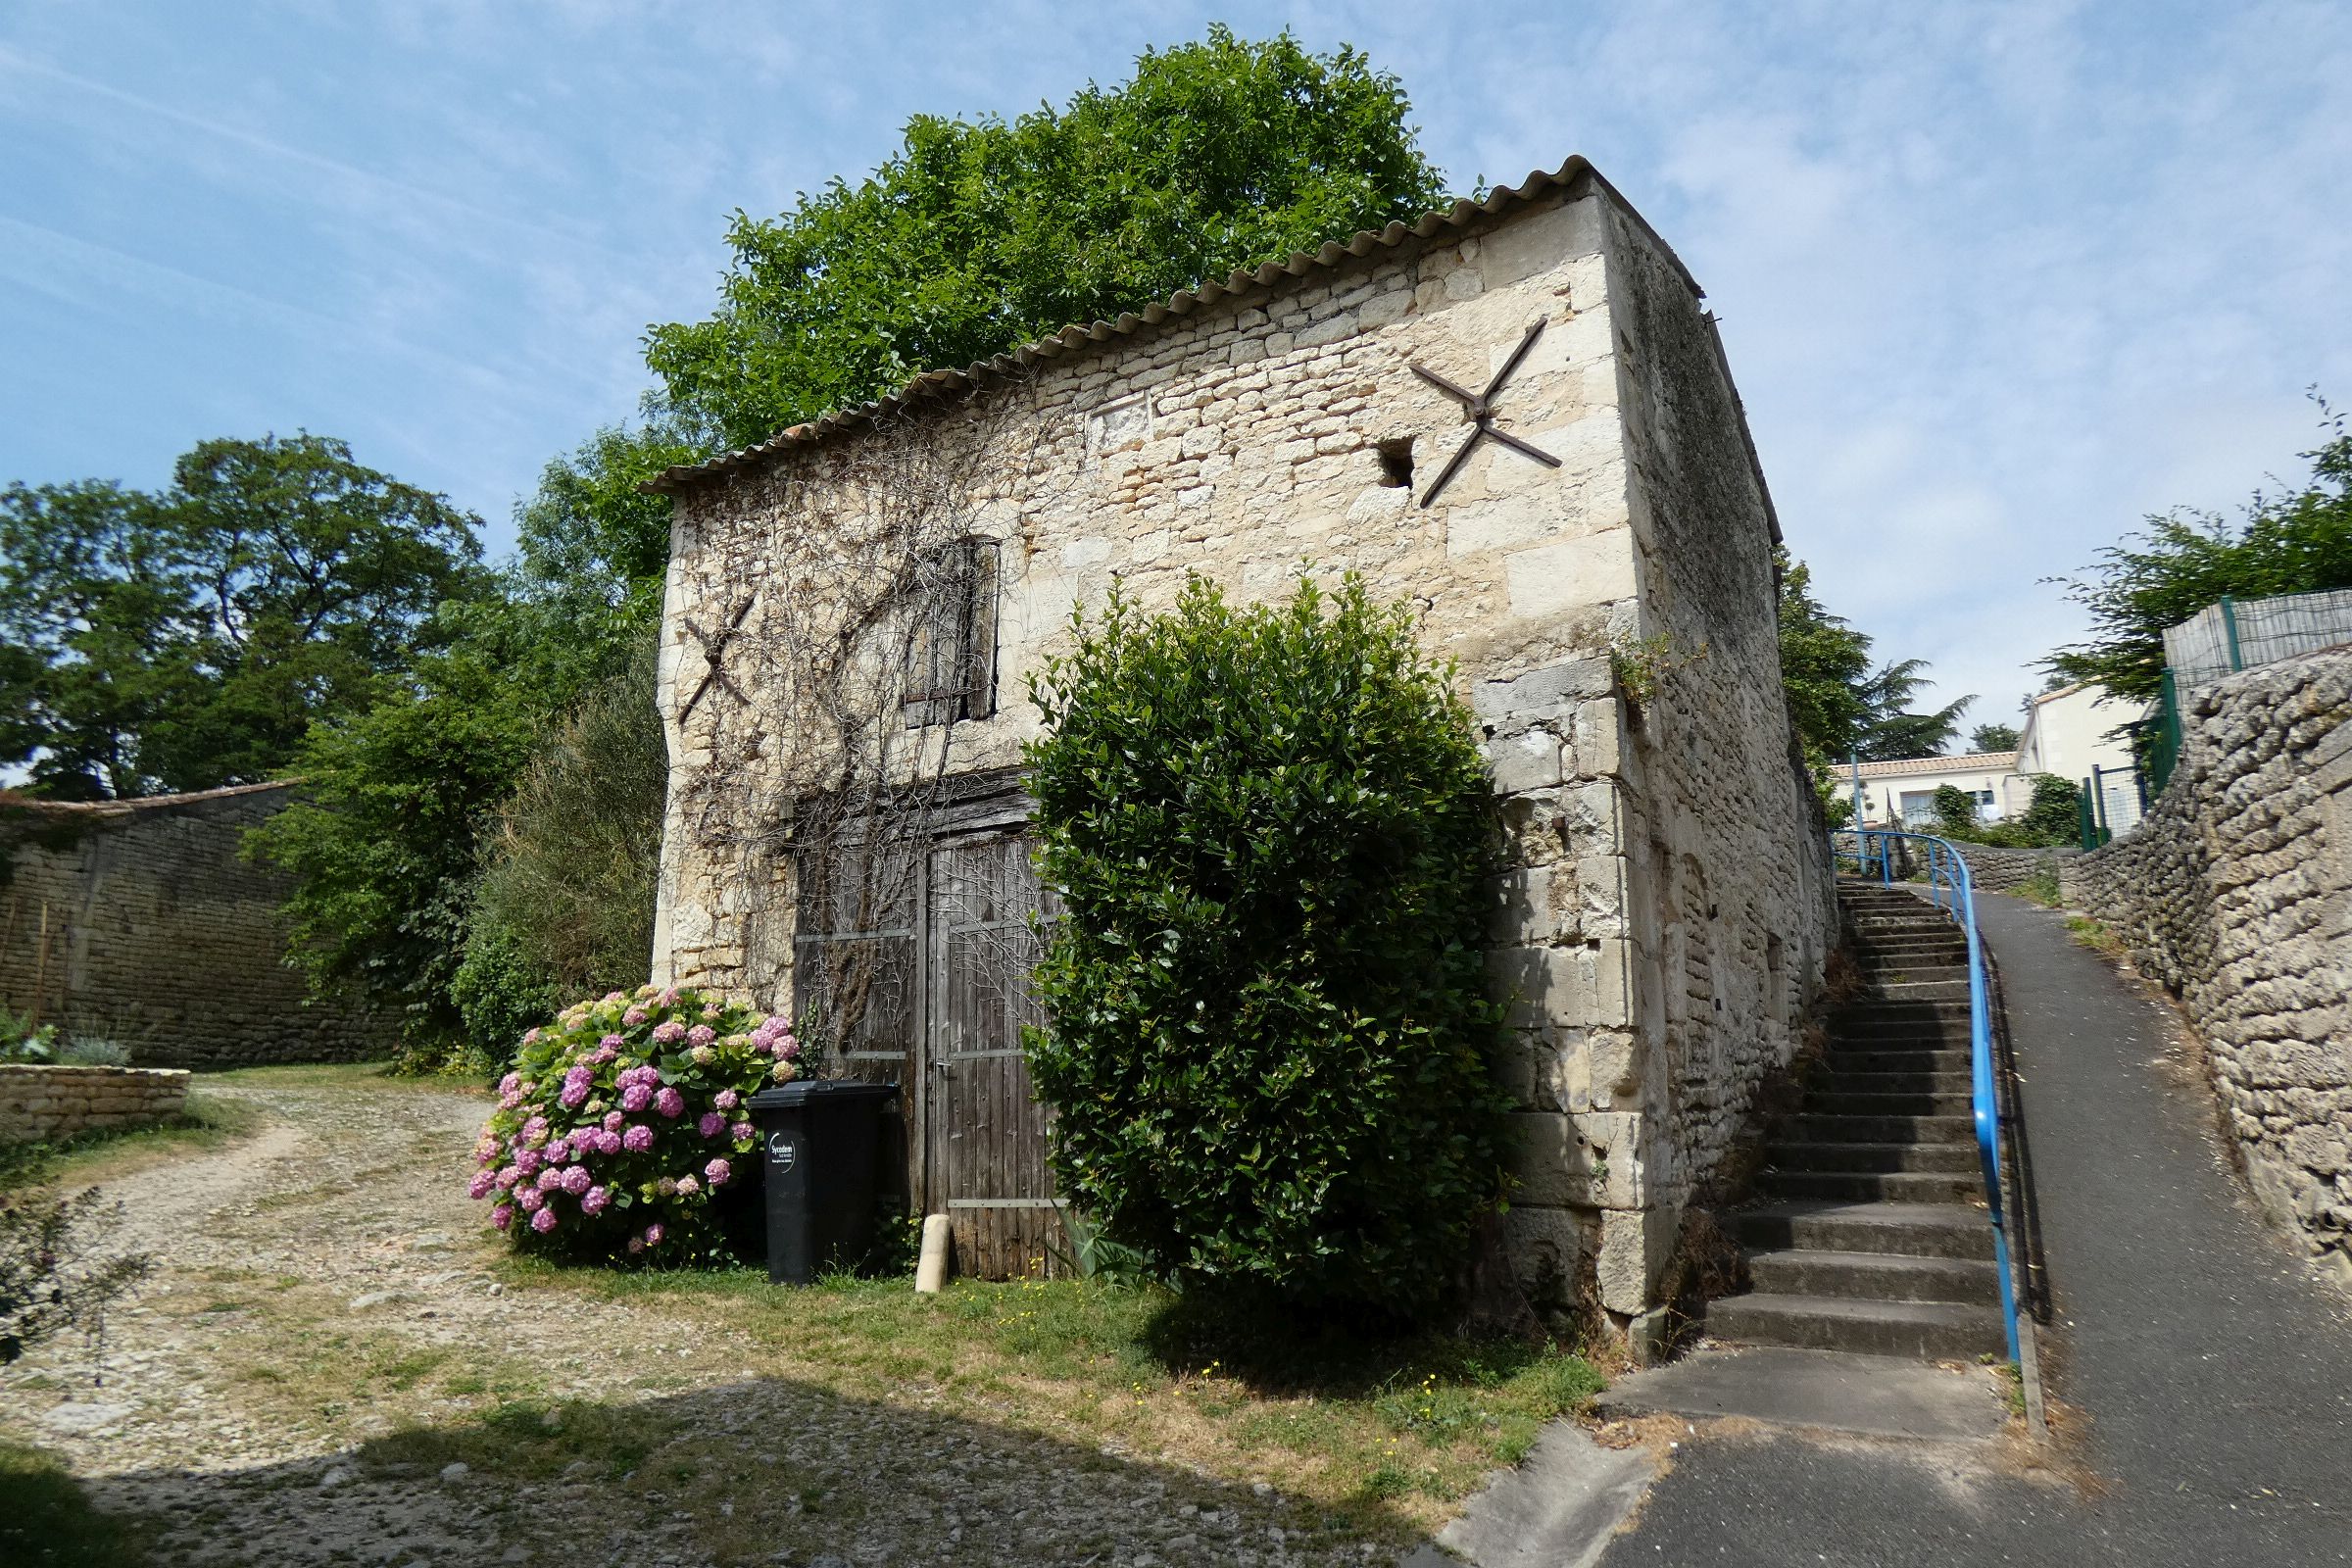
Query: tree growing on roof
[976,236]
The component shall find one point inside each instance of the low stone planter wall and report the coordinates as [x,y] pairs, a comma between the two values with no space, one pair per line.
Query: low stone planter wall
[50,1102]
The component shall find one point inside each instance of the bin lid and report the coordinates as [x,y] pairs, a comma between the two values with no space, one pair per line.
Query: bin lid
[802,1091]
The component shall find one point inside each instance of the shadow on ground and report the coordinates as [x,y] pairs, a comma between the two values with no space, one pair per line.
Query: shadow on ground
[764,1471]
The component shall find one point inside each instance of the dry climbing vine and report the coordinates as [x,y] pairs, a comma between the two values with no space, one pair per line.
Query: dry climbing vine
[846,634]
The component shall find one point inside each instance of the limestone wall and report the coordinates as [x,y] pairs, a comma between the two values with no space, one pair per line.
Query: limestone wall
[2000,869]
[2236,892]
[138,921]
[49,1101]
[1673,900]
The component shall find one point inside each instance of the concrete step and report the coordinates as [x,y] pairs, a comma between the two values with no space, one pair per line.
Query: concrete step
[1876,1275]
[1932,1330]
[1876,1185]
[1898,1030]
[1958,1103]
[1923,1013]
[1835,1083]
[1915,1230]
[1943,1160]
[1811,1126]
[1914,973]
[1954,990]
[1940,1058]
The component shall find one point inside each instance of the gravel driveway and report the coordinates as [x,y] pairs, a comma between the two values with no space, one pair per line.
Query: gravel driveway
[305,1376]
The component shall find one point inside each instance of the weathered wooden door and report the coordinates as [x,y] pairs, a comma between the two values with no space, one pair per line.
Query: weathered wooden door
[984,1132]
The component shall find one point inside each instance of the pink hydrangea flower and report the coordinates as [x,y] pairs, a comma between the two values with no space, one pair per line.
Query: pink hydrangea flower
[653,1236]
[503,1215]
[575,1095]
[669,1103]
[669,1033]
[530,1197]
[609,1043]
[701,1034]
[528,1161]
[559,1150]
[668,1187]
[711,1009]
[719,1172]
[530,1037]
[688,1186]
[744,1132]
[636,1244]
[544,1221]
[714,1123]
[594,1199]
[726,1100]
[615,996]
[534,1131]
[549,1179]
[635,1017]
[507,1178]
[638,1139]
[576,1181]
[512,1083]
[608,1141]
[483,1185]
[635,1099]
[668,997]
[612,1121]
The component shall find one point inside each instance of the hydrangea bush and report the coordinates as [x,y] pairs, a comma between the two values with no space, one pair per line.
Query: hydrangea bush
[623,1125]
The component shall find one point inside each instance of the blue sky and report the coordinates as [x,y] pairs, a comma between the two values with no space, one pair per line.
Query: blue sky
[1996,280]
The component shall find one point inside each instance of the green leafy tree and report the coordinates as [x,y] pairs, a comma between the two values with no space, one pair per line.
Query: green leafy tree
[1838,702]
[974,237]
[1955,811]
[1269,1038]
[2180,563]
[2054,814]
[186,639]
[1993,738]
[385,847]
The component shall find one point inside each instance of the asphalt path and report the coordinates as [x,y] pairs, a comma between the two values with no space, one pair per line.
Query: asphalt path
[2204,1376]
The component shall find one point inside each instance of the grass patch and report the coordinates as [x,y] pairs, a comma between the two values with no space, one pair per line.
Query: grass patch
[2096,936]
[1346,1419]
[2040,888]
[360,1076]
[205,1123]
[47,1521]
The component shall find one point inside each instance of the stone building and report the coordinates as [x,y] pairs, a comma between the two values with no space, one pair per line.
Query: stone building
[1515,415]
[140,921]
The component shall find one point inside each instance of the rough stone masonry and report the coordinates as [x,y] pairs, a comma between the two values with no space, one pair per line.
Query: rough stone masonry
[2236,892]
[138,921]
[1613,619]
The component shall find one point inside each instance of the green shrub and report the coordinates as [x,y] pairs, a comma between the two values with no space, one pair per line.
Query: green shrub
[1270,1032]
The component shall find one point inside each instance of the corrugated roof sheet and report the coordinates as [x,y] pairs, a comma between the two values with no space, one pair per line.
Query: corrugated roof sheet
[1076,339]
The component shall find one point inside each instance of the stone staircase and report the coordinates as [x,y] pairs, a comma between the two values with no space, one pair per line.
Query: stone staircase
[1874,1236]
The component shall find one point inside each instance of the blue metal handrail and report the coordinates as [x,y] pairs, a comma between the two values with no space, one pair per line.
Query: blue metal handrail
[1874,850]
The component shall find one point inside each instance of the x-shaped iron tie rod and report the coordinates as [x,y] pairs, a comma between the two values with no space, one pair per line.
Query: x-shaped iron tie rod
[1479,407]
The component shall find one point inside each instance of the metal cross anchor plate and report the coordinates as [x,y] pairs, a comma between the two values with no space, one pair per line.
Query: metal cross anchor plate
[1480,409]
[714,651]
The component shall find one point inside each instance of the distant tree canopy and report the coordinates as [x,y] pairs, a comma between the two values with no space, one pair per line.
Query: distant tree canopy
[1993,738]
[1838,704]
[185,639]
[2182,562]
[976,236]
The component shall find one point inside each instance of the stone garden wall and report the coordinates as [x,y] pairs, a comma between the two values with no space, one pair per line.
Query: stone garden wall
[51,1102]
[2236,892]
[2000,869]
[138,921]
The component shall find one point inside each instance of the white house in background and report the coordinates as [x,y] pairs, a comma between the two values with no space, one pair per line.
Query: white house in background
[1903,793]
[2070,731]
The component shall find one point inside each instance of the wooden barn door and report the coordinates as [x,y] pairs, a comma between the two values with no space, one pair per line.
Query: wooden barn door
[984,1132]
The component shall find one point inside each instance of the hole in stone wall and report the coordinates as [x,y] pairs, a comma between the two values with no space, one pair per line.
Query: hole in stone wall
[1397,463]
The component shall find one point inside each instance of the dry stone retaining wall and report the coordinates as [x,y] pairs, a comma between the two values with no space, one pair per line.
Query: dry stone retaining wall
[2000,869]
[2236,891]
[43,1101]
[138,921]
